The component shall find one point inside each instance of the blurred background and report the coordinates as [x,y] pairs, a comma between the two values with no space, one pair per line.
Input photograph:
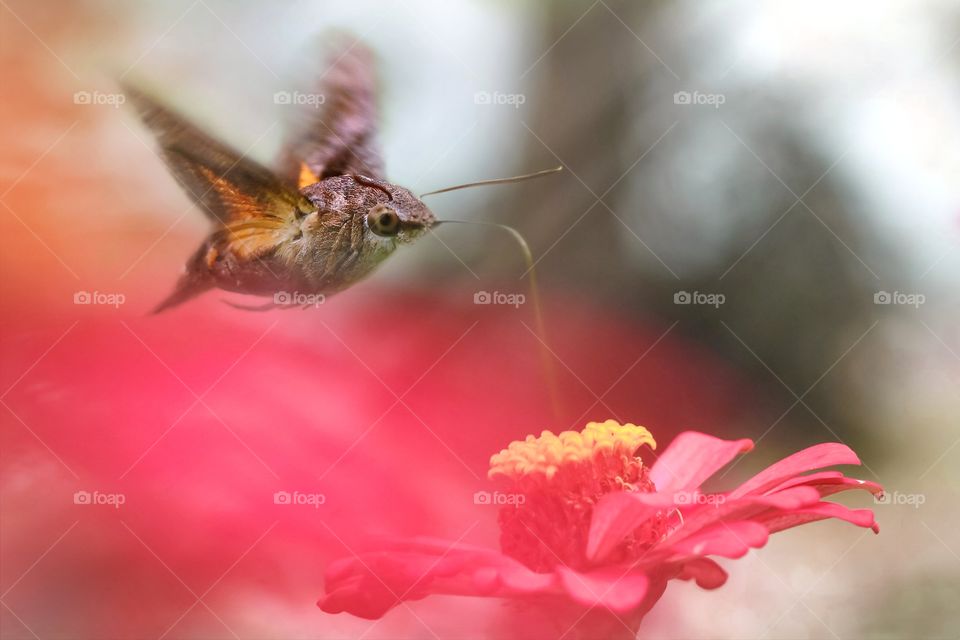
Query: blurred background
[755,235]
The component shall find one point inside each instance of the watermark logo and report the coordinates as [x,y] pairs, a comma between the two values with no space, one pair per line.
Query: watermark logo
[296,298]
[499,99]
[315,100]
[498,297]
[697,498]
[896,498]
[99,98]
[698,297]
[698,98]
[99,498]
[99,297]
[498,498]
[899,297]
[299,498]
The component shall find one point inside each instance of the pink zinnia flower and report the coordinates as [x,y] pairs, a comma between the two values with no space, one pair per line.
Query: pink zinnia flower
[592,535]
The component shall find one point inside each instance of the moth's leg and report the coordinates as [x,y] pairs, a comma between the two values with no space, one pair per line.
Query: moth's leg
[335,254]
[344,251]
[350,259]
[356,232]
[331,276]
[258,307]
[341,260]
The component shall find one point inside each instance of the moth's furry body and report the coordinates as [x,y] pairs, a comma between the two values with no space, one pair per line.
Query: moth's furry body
[321,251]
[319,224]
[335,248]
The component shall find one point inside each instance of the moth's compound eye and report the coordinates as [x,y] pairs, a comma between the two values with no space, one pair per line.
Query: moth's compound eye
[383,220]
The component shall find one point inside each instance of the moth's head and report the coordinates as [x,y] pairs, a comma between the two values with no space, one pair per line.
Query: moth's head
[400,216]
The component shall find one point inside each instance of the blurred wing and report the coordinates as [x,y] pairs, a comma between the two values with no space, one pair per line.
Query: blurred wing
[228,187]
[339,136]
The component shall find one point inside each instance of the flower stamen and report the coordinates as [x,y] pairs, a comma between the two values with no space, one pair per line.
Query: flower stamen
[561,478]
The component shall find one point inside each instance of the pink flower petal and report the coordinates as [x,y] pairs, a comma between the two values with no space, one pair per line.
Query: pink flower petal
[371,584]
[361,592]
[730,540]
[828,483]
[707,573]
[821,511]
[691,458]
[617,514]
[748,508]
[520,580]
[815,457]
[611,587]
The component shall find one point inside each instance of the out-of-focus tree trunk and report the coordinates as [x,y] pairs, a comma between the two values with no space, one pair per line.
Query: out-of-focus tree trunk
[684,197]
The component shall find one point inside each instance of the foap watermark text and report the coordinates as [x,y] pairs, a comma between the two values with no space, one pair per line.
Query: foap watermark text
[699,98]
[697,498]
[699,297]
[498,98]
[99,298]
[499,297]
[299,498]
[298,299]
[899,298]
[498,498]
[297,98]
[897,498]
[99,98]
[98,498]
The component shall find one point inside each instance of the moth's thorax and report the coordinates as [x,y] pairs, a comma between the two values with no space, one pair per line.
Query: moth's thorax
[334,245]
[341,194]
[356,194]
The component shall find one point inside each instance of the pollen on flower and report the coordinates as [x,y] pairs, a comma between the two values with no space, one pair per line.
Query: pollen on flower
[547,453]
[561,478]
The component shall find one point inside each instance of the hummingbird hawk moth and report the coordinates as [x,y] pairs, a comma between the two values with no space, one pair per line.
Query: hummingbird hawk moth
[318,224]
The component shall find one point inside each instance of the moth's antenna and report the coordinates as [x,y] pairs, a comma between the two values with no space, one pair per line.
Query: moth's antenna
[545,355]
[481,183]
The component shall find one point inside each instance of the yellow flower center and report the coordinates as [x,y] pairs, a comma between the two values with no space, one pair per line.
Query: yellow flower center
[561,477]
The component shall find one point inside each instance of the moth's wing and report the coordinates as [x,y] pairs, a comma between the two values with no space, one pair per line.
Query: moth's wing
[227,186]
[252,206]
[339,136]
[243,242]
